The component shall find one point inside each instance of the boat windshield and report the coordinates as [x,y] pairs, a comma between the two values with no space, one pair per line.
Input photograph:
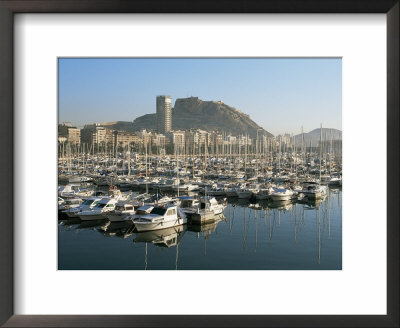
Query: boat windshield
[100,205]
[88,202]
[158,211]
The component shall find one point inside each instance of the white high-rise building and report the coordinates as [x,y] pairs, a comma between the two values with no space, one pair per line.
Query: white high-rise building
[164,114]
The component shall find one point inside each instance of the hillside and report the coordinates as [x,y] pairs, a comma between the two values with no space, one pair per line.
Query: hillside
[206,115]
[314,136]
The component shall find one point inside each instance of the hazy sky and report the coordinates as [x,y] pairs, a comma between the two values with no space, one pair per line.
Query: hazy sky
[281,95]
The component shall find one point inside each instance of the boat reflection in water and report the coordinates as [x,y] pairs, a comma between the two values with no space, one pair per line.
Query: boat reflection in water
[209,227]
[93,224]
[122,229]
[206,229]
[311,203]
[162,238]
[284,205]
[69,222]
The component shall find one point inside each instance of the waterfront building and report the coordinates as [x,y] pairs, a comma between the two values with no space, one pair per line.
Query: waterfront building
[177,138]
[160,140]
[74,136]
[96,134]
[123,139]
[102,135]
[71,134]
[164,114]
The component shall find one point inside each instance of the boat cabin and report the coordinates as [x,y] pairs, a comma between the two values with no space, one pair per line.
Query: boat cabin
[123,207]
[188,202]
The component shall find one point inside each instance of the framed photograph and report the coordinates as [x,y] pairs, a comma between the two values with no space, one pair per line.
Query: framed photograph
[198,154]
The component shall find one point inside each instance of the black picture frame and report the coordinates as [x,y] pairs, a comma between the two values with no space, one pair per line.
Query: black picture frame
[10,7]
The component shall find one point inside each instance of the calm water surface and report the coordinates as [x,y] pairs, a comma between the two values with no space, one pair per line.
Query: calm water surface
[261,236]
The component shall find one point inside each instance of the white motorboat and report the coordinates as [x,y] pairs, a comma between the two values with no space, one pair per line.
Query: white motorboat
[100,211]
[263,193]
[281,194]
[69,203]
[209,203]
[88,204]
[314,191]
[160,217]
[189,205]
[122,212]
[143,210]
[247,192]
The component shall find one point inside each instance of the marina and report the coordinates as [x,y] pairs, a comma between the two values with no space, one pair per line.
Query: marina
[187,181]
[297,235]
[200,213]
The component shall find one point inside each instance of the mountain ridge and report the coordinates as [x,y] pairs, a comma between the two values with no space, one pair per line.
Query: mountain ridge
[194,113]
[314,135]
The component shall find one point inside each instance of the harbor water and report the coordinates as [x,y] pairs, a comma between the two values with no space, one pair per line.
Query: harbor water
[262,235]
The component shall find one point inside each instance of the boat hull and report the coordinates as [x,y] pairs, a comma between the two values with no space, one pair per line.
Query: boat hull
[145,226]
[202,217]
[92,217]
[118,218]
[72,214]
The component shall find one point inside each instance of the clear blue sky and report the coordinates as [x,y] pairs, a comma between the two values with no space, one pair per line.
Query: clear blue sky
[281,95]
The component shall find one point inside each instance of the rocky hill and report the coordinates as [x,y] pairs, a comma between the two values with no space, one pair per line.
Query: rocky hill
[206,115]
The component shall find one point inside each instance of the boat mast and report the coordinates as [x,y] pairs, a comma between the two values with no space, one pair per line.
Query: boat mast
[147,185]
[177,169]
[245,158]
[320,153]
